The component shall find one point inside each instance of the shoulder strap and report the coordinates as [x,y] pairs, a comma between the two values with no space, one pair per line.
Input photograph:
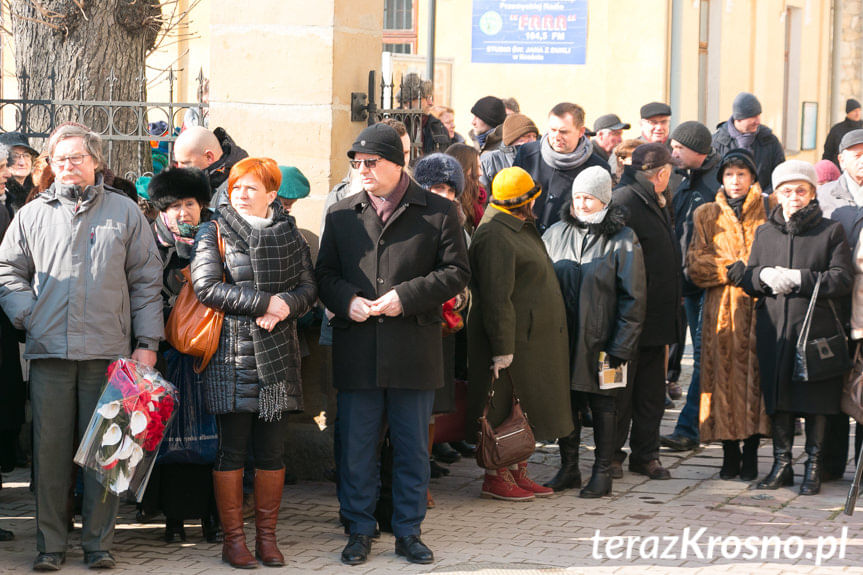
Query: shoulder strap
[766,199]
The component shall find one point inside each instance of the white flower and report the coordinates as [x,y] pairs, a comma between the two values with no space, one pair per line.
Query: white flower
[120,484]
[136,457]
[109,410]
[112,435]
[138,422]
[107,462]
[125,448]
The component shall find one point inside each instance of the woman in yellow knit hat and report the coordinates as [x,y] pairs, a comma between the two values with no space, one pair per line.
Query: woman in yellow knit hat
[516,324]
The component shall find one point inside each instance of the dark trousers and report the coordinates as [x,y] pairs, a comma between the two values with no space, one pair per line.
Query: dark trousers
[835,453]
[641,404]
[63,394]
[362,414]
[687,422]
[238,430]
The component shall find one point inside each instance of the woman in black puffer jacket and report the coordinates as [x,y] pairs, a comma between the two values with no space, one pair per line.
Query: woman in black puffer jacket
[265,284]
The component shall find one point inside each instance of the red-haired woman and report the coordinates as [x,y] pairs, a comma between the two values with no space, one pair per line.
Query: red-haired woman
[264,284]
[475,197]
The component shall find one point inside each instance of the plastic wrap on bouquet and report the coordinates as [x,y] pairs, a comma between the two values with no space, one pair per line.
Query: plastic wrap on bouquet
[122,440]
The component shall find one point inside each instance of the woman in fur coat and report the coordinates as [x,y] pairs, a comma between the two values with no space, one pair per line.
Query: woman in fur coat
[732,407]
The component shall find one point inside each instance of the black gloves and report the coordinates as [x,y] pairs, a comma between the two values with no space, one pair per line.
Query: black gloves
[735,272]
[613,361]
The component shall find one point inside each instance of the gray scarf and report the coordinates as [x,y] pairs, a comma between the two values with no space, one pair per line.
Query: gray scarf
[744,141]
[569,161]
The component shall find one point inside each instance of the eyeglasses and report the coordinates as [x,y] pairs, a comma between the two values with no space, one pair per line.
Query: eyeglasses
[75,160]
[800,191]
[16,157]
[370,164]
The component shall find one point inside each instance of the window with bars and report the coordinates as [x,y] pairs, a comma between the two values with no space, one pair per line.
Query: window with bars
[400,26]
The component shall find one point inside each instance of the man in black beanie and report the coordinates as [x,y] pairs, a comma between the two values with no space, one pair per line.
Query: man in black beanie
[852,121]
[390,256]
[697,163]
[489,114]
[745,130]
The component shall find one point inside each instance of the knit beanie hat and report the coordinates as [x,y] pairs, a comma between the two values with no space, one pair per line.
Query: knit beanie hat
[740,154]
[381,140]
[693,135]
[439,169]
[650,156]
[791,170]
[513,187]
[850,105]
[490,110]
[174,184]
[294,184]
[745,105]
[515,126]
[594,181]
[826,171]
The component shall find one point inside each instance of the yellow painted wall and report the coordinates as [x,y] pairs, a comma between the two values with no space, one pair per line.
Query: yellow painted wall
[628,55]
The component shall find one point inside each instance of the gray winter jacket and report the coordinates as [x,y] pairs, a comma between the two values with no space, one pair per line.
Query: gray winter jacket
[81,273]
[837,203]
[495,161]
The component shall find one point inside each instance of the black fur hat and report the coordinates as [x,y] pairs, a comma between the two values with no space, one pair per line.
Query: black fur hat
[174,184]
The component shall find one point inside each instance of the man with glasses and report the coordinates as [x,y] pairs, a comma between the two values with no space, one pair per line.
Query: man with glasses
[390,256]
[80,273]
[745,130]
[20,162]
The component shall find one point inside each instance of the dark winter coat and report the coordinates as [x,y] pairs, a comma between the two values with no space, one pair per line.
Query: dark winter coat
[767,149]
[231,378]
[420,252]
[732,406]
[517,308]
[556,184]
[662,263]
[218,171]
[812,244]
[435,135]
[16,194]
[834,137]
[492,142]
[600,268]
[697,188]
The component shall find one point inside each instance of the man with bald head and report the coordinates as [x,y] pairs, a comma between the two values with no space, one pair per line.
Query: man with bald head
[213,152]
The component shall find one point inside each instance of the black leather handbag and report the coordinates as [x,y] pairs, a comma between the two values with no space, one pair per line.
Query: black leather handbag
[821,357]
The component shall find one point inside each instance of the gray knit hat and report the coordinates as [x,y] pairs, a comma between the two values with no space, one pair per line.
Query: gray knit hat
[595,181]
[745,105]
[693,135]
[791,170]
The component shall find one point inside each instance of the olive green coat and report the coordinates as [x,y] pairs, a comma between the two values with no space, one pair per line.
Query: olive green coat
[517,308]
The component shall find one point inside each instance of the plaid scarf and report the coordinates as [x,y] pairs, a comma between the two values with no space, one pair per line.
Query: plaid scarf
[276,268]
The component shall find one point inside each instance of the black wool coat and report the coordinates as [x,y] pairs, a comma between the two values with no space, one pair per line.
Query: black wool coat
[662,259]
[420,252]
[811,244]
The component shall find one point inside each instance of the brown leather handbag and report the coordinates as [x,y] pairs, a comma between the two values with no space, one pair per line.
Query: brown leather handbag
[510,442]
[193,328]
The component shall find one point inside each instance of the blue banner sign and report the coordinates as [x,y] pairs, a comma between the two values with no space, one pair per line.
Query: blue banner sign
[525,32]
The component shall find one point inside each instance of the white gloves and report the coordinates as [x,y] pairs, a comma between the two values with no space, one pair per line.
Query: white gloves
[780,280]
[500,362]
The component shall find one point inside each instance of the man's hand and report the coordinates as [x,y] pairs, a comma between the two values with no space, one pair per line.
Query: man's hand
[145,356]
[388,304]
[267,321]
[278,308]
[500,362]
[359,309]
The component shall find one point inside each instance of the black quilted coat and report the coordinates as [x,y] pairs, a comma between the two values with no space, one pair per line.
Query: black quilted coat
[231,378]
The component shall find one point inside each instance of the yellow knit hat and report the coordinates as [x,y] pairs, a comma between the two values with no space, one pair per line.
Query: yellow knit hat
[513,187]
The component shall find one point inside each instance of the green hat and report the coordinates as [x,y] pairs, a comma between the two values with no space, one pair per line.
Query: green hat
[294,184]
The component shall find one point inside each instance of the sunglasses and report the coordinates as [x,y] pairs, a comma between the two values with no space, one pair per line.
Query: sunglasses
[370,164]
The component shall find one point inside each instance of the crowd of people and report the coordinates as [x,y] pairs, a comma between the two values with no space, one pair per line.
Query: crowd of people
[514,261]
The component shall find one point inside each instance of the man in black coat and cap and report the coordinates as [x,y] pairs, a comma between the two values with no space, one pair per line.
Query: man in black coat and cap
[851,122]
[390,256]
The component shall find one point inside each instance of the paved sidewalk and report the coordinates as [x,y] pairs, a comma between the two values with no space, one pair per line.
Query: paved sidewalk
[554,535]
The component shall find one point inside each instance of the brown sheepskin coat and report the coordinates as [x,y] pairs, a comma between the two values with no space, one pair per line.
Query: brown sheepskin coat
[732,406]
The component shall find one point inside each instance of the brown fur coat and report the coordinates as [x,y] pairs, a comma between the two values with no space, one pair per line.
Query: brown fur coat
[732,406]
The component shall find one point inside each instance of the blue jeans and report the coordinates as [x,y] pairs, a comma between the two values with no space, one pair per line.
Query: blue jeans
[362,415]
[687,422]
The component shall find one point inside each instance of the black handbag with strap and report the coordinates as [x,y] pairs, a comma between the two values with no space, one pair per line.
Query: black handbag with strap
[820,358]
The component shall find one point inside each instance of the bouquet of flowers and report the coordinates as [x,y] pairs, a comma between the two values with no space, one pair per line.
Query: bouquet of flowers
[127,428]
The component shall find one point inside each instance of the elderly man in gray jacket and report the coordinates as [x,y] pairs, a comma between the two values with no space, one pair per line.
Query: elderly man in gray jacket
[80,272]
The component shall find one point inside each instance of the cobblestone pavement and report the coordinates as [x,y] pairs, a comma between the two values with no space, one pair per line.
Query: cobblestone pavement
[553,535]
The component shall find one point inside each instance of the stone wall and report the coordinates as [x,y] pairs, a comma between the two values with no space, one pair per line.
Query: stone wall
[851,58]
